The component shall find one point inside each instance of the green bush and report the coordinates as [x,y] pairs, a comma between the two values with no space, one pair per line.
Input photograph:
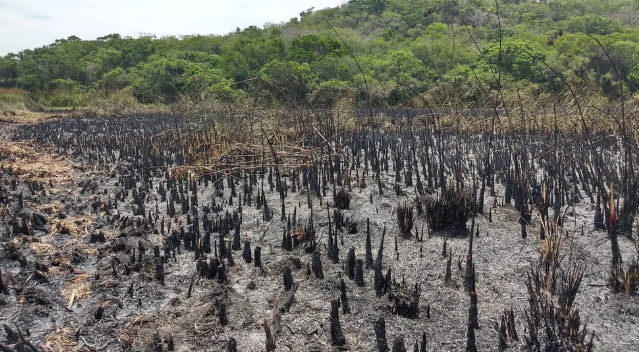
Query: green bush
[329,92]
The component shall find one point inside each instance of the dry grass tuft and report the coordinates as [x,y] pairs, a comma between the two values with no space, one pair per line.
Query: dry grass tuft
[550,248]
[33,164]
[61,339]
[42,249]
[79,287]
[73,225]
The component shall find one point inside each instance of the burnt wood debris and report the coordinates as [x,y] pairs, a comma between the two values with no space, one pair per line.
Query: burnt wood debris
[153,217]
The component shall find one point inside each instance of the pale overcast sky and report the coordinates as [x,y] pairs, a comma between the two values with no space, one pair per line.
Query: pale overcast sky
[26,24]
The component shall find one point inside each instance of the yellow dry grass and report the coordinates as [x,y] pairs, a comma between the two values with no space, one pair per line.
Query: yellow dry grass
[50,208]
[79,287]
[26,117]
[34,165]
[73,225]
[20,240]
[61,339]
[42,249]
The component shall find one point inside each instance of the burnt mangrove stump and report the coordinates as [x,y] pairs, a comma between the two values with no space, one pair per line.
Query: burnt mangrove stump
[316,266]
[343,298]
[405,218]
[337,335]
[451,209]
[359,273]
[380,334]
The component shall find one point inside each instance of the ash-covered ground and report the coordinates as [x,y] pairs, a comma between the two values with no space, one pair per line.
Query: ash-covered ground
[86,225]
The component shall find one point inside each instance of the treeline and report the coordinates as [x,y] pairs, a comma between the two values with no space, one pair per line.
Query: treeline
[449,51]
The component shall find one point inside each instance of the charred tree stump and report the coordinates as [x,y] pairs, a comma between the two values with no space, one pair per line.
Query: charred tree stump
[469,275]
[351,263]
[369,250]
[317,266]
[159,270]
[379,282]
[12,336]
[380,251]
[330,248]
[335,257]
[447,277]
[190,290]
[236,238]
[247,251]
[157,342]
[511,325]
[469,278]
[283,217]
[232,345]
[398,344]
[472,311]
[221,313]
[277,318]
[337,336]
[3,286]
[503,344]
[170,345]
[359,273]
[470,339]
[288,279]
[288,300]
[343,298]
[258,256]
[221,274]
[270,341]
[288,241]
[405,218]
[229,257]
[342,199]
[444,247]
[222,246]
[380,334]
[98,313]
[599,218]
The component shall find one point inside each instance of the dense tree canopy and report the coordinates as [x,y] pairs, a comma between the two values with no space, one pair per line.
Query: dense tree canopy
[401,46]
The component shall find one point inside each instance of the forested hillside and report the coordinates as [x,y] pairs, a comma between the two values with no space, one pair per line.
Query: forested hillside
[451,51]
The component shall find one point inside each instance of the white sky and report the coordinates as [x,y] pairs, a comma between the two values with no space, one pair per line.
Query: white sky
[27,24]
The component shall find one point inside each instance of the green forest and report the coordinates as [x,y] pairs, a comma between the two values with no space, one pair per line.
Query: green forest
[390,53]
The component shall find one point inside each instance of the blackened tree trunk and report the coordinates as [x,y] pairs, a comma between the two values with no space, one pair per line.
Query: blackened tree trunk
[317,266]
[398,345]
[270,341]
[369,250]
[351,263]
[359,273]
[380,334]
[222,314]
[470,339]
[288,279]
[337,336]
[344,299]
[258,256]
[247,252]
